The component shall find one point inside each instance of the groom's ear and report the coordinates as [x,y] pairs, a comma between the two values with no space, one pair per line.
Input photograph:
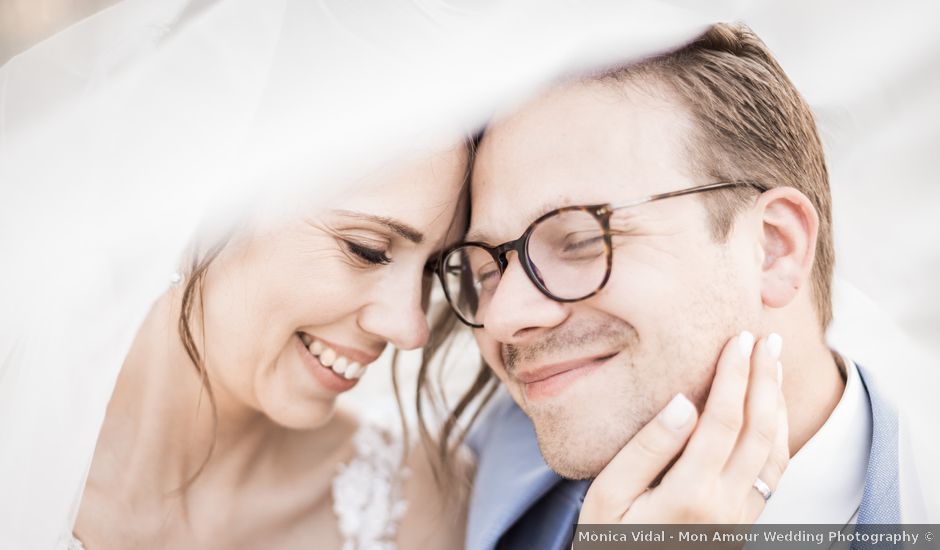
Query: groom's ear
[789,226]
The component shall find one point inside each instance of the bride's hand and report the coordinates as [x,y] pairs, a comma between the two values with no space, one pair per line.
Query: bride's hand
[741,437]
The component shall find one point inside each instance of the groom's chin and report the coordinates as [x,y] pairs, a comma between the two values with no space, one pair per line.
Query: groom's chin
[572,468]
[579,452]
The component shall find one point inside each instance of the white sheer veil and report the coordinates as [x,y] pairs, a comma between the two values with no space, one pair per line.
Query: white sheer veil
[122,134]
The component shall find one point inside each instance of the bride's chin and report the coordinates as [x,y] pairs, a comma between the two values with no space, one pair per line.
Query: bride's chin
[306,416]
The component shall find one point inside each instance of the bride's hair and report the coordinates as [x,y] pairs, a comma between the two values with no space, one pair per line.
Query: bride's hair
[442,441]
[442,427]
[193,295]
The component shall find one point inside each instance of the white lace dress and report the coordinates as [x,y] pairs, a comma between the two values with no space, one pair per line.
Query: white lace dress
[367,492]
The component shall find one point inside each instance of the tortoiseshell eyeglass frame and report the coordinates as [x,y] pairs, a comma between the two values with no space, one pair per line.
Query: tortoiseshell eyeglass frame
[601,212]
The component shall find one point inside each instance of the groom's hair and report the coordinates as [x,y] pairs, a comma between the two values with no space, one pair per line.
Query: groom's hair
[750,124]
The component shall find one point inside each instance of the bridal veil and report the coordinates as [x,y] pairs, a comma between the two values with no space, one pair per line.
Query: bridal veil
[123,134]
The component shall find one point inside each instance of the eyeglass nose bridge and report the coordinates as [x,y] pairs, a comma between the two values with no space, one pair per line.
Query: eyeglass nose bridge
[499,254]
[520,246]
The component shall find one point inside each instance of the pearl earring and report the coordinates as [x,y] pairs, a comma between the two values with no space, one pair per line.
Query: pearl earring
[176,278]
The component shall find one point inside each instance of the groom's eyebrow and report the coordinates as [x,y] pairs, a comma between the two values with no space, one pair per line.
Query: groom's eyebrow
[478,235]
[400,228]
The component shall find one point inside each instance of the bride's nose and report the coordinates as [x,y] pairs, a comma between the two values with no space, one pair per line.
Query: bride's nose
[395,312]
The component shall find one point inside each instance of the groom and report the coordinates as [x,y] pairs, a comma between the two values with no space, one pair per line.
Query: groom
[595,318]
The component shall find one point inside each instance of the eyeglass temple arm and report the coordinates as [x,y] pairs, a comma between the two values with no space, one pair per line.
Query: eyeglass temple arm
[691,190]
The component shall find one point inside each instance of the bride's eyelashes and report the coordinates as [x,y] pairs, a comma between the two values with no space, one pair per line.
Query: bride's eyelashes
[361,247]
[366,254]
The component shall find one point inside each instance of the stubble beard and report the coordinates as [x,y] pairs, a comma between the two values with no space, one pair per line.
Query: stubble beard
[581,430]
[578,442]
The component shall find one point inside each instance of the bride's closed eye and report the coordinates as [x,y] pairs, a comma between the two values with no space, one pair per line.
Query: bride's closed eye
[362,247]
[367,254]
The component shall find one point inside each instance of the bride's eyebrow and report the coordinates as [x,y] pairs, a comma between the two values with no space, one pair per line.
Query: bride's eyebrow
[400,228]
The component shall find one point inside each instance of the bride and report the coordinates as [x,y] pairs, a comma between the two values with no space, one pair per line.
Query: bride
[221,430]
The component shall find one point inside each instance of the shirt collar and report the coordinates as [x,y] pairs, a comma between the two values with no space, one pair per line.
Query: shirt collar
[831,466]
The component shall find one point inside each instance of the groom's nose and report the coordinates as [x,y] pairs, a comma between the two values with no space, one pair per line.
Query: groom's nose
[518,311]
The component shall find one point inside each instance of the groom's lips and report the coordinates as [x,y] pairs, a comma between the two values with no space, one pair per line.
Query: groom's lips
[551,380]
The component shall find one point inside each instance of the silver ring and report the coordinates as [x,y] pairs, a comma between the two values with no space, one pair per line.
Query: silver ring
[763,489]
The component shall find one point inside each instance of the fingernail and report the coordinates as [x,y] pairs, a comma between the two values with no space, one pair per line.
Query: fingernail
[746,343]
[677,413]
[779,374]
[774,345]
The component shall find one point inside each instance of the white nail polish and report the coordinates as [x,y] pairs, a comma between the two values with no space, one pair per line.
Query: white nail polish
[774,345]
[746,344]
[677,413]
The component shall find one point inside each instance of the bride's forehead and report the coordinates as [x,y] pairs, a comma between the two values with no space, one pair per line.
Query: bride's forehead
[441,173]
[419,202]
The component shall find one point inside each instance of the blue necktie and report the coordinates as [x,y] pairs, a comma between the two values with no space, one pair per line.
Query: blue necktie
[550,524]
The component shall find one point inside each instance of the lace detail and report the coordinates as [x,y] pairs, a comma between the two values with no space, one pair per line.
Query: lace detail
[75,544]
[367,492]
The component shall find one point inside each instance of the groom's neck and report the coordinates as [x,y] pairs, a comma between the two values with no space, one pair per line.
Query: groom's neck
[813,382]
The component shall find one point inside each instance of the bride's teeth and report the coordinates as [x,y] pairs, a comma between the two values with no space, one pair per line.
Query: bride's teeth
[355,370]
[330,359]
[339,367]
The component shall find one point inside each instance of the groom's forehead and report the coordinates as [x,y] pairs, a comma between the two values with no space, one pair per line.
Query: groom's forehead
[574,146]
[526,165]
[508,196]
[494,226]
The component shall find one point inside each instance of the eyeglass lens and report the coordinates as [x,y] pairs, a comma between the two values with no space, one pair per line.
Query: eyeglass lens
[567,259]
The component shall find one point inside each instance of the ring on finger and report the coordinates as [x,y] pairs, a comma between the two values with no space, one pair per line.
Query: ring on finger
[763,489]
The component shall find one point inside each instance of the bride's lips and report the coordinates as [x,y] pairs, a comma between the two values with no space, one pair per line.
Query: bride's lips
[550,380]
[324,375]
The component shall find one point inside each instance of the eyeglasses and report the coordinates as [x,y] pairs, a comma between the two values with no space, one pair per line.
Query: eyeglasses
[566,253]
